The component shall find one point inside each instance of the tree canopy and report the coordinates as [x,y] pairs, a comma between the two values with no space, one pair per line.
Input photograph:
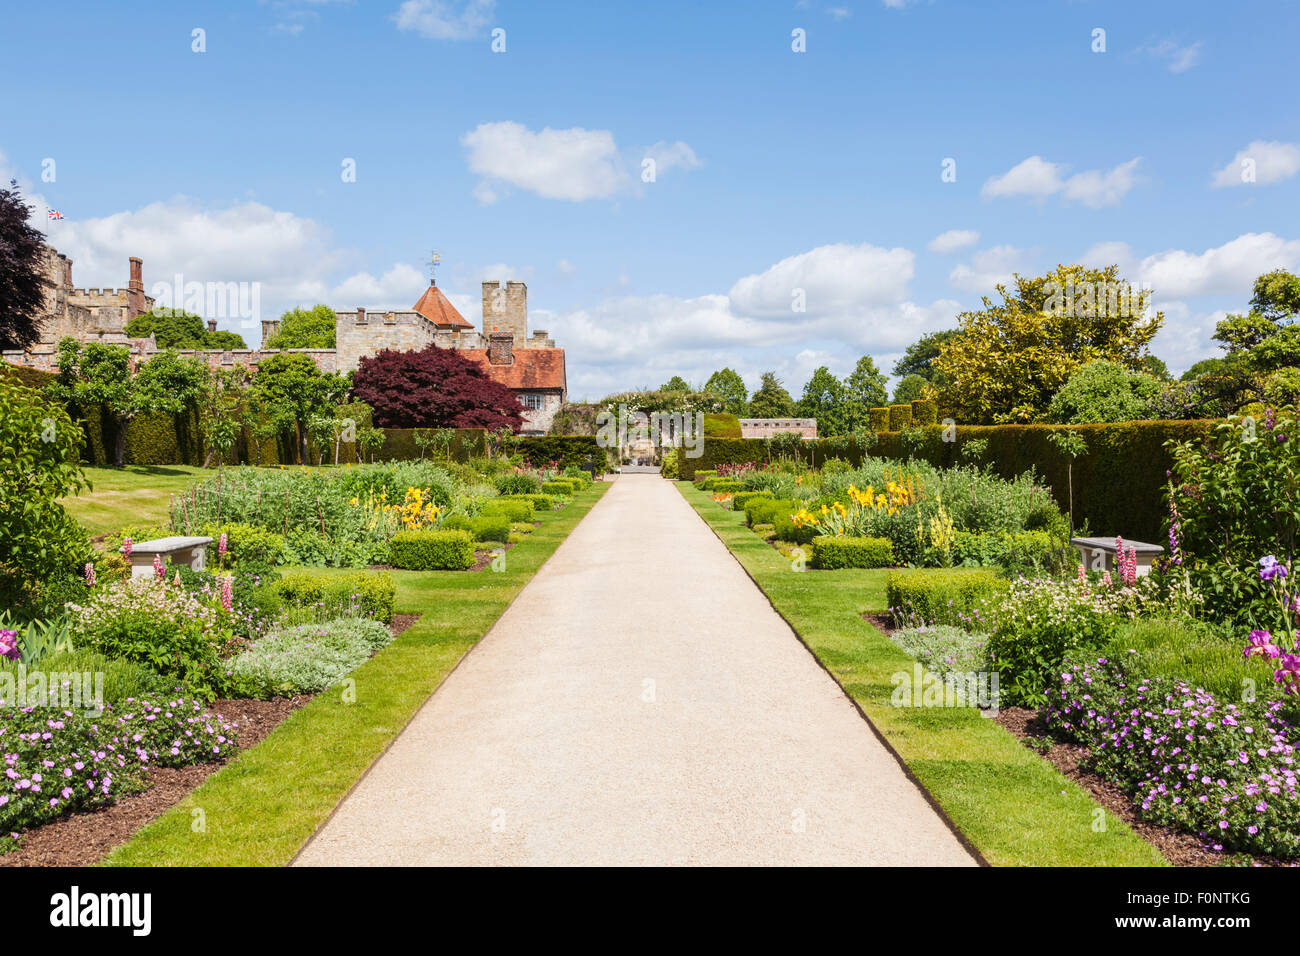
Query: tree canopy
[730,387]
[771,400]
[23,282]
[675,384]
[313,328]
[918,359]
[1262,361]
[1104,391]
[434,388]
[178,329]
[290,390]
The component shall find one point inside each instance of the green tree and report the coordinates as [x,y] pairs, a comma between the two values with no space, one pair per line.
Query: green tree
[1263,346]
[826,399]
[911,388]
[221,411]
[866,384]
[99,374]
[1071,445]
[1103,391]
[771,400]
[675,384]
[313,328]
[730,387]
[178,329]
[39,542]
[1011,357]
[919,357]
[292,390]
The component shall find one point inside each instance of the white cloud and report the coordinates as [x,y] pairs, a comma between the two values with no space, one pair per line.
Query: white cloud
[952,240]
[1273,162]
[839,13]
[571,164]
[1178,58]
[834,279]
[1102,254]
[1229,269]
[398,288]
[444,19]
[567,267]
[987,269]
[1037,178]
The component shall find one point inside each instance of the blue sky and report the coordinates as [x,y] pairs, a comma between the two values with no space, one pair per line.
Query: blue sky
[775,170]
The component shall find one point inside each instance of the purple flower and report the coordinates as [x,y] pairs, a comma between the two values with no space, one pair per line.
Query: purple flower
[1261,645]
[9,645]
[1269,568]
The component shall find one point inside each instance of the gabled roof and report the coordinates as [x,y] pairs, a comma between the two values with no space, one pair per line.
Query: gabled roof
[531,368]
[435,307]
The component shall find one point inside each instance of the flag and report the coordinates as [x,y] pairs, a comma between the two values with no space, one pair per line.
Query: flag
[54,214]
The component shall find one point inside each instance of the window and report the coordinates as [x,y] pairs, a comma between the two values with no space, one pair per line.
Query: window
[531,401]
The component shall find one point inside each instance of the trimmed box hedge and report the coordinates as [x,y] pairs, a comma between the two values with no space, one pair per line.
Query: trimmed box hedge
[742,498]
[940,596]
[900,417]
[830,553]
[786,530]
[372,591]
[483,527]
[432,550]
[514,510]
[539,501]
[765,510]
[878,419]
[561,487]
[924,412]
[722,486]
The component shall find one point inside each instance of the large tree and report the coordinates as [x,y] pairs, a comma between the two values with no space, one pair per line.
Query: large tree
[826,399]
[98,374]
[1104,391]
[23,282]
[1011,357]
[771,400]
[919,357]
[675,384]
[730,387]
[434,388]
[178,329]
[313,328]
[1263,346]
[290,390]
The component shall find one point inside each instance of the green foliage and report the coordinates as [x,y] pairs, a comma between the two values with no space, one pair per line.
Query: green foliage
[432,550]
[675,384]
[865,388]
[313,328]
[293,391]
[771,400]
[724,486]
[541,503]
[579,451]
[1263,347]
[517,483]
[178,329]
[307,658]
[39,541]
[730,387]
[924,412]
[483,528]
[721,425]
[1183,648]
[514,510]
[910,389]
[122,679]
[356,594]
[940,596]
[741,498]
[249,548]
[834,553]
[878,419]
[919,357]
[825,398]
[760,510]
[900,417]
[1103,391]
[561,487]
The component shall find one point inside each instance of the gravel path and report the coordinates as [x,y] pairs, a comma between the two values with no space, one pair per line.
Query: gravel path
[639,703]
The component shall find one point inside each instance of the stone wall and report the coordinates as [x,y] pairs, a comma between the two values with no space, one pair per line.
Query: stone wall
[506,310]
[46,359]
[767,427]
[538,421]
[359,334]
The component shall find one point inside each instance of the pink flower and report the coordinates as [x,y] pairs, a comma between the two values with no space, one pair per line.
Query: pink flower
[9,644]
[90,575]
[221,545]
[126,547]
[159,571]
[227,592]
[1261,644]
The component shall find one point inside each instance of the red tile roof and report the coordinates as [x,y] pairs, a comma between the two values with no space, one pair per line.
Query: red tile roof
[531,369]
[435,307]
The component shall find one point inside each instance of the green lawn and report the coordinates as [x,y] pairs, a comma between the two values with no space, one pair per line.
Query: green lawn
[134,495]
[263,806]
[1015,807]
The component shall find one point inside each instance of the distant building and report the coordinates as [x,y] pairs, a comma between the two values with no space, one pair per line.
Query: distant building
[531,366]
[767,427]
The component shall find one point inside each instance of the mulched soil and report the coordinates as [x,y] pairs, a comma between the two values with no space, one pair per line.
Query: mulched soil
[84,839]
[1179,848]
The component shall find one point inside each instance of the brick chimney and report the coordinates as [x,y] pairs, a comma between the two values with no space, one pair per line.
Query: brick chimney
[212,325]
[67,272]
[135,289]
[501,348]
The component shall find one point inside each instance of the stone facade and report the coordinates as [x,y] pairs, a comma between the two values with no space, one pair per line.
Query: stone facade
[89,315]
[767,427]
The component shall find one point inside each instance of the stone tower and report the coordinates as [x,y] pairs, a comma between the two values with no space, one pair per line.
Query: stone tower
[506,310]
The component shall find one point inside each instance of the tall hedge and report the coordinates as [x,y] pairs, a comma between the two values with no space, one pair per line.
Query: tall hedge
[1118,484]
[924,412]
[900,417]
[567,450]
[878,418]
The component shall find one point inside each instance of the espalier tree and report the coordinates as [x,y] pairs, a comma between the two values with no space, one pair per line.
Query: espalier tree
[1012,356]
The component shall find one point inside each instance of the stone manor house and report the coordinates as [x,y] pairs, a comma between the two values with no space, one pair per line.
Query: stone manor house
[529,365]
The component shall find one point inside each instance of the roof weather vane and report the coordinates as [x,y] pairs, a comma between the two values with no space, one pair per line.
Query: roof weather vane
[434,259]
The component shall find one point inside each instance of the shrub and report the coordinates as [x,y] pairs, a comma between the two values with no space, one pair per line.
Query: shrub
[248,547]
[944,649]
[834,553]
[307,658]
[1221,770]
[765,510]
[158,625]
[521,510]
[787,530]
[539,501]
[432,550]
[578,475]
[724,486]
[924,412]
[878,419]
[741,498]
[922,597]
[356,594]
[558,487]
[517,483]
[900,417]
[483,528]
[122,678]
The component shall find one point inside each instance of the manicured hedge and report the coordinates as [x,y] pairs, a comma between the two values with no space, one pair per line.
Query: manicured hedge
[878,419]
[833,553]
[900,417]
[559,488]
[521,510]
[483,527]
[432,550]
[721,425]
[372,591]
[764,510]
[742,498]
[723,486]
[940,596]
[540,502]
[1118,484]
[924,412]
[575,451]
[783,524]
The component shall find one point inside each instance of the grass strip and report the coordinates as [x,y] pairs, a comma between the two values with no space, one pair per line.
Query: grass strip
[1014,807]
[259,809]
